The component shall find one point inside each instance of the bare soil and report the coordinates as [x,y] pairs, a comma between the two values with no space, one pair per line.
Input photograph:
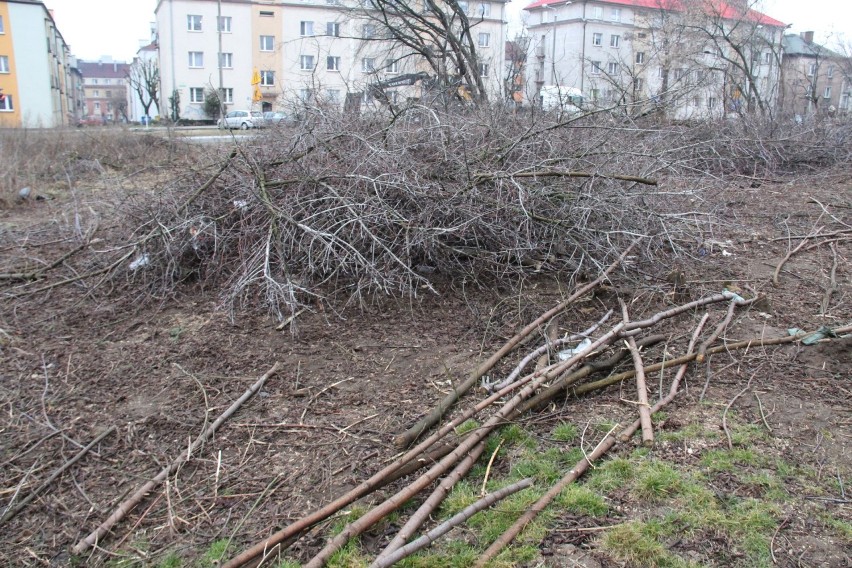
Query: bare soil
[82,357]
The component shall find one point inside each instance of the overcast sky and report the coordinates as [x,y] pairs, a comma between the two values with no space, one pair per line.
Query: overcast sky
[114,27]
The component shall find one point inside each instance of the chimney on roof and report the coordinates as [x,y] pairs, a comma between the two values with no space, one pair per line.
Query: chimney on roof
[807,36]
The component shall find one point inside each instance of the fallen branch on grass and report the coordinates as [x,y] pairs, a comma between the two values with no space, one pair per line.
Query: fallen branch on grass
[481,178]
[641,388]
[12,512]
[127,505]
[449,524]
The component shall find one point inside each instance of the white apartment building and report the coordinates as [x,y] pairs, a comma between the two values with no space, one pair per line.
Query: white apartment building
[638,54]
[314,51]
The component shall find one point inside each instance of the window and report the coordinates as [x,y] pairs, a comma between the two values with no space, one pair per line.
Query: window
[812,69]
[196,59]
[226,60]
[97,93]
[368,64]
[614,40]
[597,13]
[97,105]
[615,14]
[193,23]
[333,95]
[597,39]
[267,43]
[306,29]
[464,7]
[196,95]
[332,63]
[306,62]
[483,70]
[638,83]
[711,103]
[306,94]
[392,66]
[4,64]
[830,72]
[641,35]
[2,26]
[640,57]
[369,31]
[596,68]
[612,68]
[767,58]
[662,73]
[223,24]
[109,94]
[267,14]
[227,95]
[594,94]
[332,29]
[6,104]
[267,78]
[679,73]
[827,93]
[483,10]
[484,39]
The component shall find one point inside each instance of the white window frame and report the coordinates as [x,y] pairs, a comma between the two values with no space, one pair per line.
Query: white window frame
[194,23]
[223,24]
[7,104]
[332,63]
[369,31]
[4,64]
[826,94]
[484,69]
[368,64]
[612,68]
[267,78]
[2,26]
[640,57]
[596,68]
[614,40]
[597,39]
[193,94]
[332,29]
[97,105]
[267,14]
[306,28]
[711,103]
[267,43]
[829,73]
[484,39]
[638,83]
[226,60]
[812,67]
[332,95]
[306,94]
[226,95]
[483,10]
[307,62]
[615,15]
[196,59]
[597,13]
[392,67]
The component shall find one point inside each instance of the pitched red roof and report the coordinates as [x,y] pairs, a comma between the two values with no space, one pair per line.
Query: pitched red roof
[97,69]
[726,10]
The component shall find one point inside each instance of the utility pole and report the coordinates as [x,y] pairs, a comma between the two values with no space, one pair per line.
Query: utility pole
[219,28]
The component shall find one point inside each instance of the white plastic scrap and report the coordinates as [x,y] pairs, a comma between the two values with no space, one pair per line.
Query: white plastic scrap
[140,261]
[241,204]
[566,354]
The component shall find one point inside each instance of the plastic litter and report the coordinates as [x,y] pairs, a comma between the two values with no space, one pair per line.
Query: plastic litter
[566,354]
[140,262]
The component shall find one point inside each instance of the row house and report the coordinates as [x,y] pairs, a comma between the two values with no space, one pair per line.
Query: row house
[105,89]
[37,74]
[268,54]
[690,59]
[815,78]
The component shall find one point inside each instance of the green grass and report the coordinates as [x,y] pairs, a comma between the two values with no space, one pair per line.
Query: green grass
[171,560]
[215,553]
[565,432]
[656,480]
[638,544]
[728,460]
[612,474]
[582,501]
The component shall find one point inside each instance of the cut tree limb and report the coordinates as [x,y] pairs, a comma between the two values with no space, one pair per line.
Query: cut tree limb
[641,387]
[127,505]
[409,436]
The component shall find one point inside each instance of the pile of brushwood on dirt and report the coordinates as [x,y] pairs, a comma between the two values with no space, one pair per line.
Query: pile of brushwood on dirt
[343,210]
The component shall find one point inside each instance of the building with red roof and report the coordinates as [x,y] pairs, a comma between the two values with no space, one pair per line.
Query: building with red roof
[105,90]
[686,58]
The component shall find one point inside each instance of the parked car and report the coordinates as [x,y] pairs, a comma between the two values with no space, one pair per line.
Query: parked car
[242,119]
[276,119]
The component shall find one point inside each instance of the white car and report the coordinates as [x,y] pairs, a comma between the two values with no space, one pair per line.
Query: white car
[242,119]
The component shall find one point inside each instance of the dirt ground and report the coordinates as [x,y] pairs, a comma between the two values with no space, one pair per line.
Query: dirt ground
[76,360]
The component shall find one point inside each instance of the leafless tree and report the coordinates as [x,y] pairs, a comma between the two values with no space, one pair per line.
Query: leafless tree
[144,79]
[441,32]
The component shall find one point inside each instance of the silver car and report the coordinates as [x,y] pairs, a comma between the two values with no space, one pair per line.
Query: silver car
[242,119]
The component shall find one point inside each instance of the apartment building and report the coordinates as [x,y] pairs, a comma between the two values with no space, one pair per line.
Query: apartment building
[274,53]
[106,96]
[815,78]
[35,68]
[688,59]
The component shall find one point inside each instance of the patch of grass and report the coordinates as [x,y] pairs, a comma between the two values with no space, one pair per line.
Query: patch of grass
[462,494]
[215,553]
[613,474]
[467,426]
[637,544]
[544,467]
[565,432]
[747,434]
[490,524]
[453,554]
[657,480]
[605,426]
[172,560]
[842,528]
[347,517]
[350,556]
[688,432]
[725,460]
[288,564]
[582,501]
[514,435]
[771,487]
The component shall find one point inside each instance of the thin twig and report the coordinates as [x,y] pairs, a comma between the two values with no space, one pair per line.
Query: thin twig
[728,407]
